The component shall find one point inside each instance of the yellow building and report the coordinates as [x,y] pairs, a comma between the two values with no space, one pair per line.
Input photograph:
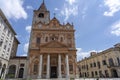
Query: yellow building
[52,52]
[102,64]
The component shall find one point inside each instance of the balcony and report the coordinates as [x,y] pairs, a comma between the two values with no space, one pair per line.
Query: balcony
[113,66]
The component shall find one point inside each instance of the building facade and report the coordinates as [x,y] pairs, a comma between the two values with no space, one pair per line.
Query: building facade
[17,67]
[52,52]
[7,37]
[105,64]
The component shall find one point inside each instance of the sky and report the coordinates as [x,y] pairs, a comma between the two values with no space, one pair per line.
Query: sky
[97,22]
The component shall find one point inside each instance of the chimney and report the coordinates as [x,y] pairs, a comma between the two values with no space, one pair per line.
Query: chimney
[93,53]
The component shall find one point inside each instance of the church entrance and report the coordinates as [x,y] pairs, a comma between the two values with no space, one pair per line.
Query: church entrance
[53,72]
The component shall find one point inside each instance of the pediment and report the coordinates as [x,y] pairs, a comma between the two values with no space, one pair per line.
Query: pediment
[53,44]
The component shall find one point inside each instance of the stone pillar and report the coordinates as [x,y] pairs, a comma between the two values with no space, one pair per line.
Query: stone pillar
[40,67]
[48,66]
[59,66]
[0,70]
[67,66]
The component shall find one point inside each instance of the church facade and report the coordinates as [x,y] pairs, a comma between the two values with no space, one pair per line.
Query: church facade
[52,51]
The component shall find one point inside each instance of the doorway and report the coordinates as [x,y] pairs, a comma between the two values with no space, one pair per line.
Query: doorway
[53,72]
[115,74]
[21,72]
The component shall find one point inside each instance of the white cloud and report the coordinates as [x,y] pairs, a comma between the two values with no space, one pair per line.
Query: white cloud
[71,2]
[28,29]
[116,28]
[26,47]
[70,8]
[81,54]
[113,5]
[56,9]
[13,9]
[29,7]
[25,54]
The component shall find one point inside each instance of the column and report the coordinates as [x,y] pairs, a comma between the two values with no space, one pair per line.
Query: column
[48,66]
[59,66]
[0,70]
[67,66]
[40,67]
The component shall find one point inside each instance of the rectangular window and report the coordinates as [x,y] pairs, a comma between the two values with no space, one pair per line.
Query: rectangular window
[5,28]
[106,73]
[118,60]
[71,67]
[8,50]
[94,64]
[92,74]
[8,34]
[104,62]
[1,42]
[91,65]
[22,65]
[35,68]
[5,46]
[38,40]
[98,63]
[96,73]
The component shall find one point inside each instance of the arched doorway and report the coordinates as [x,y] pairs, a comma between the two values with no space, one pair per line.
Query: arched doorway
[11,72]
[114,73]
[21,72]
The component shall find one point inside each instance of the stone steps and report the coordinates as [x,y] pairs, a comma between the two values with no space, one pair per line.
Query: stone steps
[40,79]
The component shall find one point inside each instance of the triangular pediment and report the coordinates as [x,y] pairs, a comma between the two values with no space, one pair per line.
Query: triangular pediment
[53,44]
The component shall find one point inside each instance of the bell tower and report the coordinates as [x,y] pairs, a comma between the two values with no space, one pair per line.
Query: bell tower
[41,15]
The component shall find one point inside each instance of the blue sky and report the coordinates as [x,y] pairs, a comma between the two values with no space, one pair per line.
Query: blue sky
[97,22]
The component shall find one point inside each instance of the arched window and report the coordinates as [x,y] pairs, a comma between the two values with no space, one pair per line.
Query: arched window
[11,72]
[21,72]
[111,63]
[41,15]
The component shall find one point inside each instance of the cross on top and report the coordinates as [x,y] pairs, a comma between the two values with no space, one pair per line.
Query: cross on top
[54,14]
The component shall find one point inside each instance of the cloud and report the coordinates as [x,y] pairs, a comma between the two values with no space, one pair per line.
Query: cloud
[56,9]
[84,12]
[25,54]
[28,29]
[13,9]
[71,2]
[26,47]
[70,8]
[116,28]
[81,54]
[29,7]
[113,5]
